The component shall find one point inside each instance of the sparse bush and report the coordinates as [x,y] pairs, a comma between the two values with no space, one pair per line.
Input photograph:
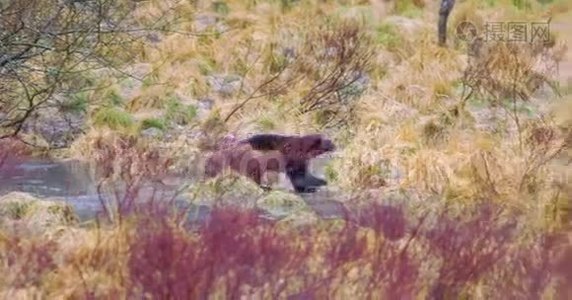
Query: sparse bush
[506,75]
[336,57]
[329,68]
[124,167]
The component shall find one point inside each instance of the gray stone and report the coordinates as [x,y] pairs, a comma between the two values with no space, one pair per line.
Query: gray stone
[226,85]
[202,22]
[35,214]
[57,128]
[206,103]
[289,53]
[205,21]
[356,88]
[151,132]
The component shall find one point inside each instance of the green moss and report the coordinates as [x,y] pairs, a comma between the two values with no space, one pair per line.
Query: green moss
[518,4]
[179,113]
[522,4]
[408,8]
[287,5]
[64,213]
[282,204]
[153,123]
[224,189]
[266,124]
[277,63]
[150,80]
[114,118]
[34,212]
[114,98]
[331,173]
[15,210]
[206,66]
[220,7]
[387,35]
[75,103]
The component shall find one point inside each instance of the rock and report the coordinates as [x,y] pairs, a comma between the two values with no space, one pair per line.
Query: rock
[37,215]
[151,132]
[356,88]
[206,103]
[408,27]
[131,86]
[205,21]
[226,189]
[289,53]
[395,110]
[58,128]
[300,218]
[153,38]
[226,85]
[280,204]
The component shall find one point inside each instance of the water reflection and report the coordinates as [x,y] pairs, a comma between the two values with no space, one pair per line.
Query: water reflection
[74,182]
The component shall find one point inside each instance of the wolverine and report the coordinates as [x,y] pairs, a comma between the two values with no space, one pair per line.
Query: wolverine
[259,153]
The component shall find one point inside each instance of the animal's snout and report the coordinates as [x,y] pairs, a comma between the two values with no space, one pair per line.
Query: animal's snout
[328,145]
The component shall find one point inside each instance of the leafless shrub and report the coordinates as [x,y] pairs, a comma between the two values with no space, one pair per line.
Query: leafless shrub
[334,58]
[543,144]
[50,49]
[130,174]
[331,65]
[11,152]
[506,75]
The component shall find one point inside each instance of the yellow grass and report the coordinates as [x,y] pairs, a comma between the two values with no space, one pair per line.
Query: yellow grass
[402,124]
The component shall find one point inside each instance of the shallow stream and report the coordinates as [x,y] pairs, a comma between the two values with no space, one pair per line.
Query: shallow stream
[72,182]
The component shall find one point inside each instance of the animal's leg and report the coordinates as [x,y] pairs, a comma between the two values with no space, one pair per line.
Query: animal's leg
[253,171]
[298,177]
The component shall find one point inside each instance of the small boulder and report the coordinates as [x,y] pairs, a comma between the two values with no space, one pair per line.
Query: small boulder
[152,132]
[286,206]
[225,85]
[226,189]
[59,128]
[35,214]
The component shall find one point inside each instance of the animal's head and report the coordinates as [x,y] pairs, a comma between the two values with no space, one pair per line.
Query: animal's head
[309,146]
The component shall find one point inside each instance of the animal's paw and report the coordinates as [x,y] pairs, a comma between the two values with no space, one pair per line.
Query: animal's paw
[305,189]
[315,181]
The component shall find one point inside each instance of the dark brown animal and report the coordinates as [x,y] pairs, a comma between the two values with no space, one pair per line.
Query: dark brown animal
[253,156]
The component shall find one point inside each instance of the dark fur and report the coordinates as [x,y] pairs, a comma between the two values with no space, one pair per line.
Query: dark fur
[272,152]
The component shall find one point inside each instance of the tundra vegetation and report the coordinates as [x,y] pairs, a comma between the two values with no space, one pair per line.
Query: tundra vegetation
[453,160]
